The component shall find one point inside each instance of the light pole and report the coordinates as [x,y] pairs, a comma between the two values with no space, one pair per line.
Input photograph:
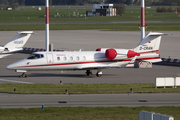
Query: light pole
[47,26]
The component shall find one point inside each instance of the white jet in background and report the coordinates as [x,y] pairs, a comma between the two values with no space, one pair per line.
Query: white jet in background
[147,50]
[16,44]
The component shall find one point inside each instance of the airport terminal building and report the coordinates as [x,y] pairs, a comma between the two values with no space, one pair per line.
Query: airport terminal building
[102,10]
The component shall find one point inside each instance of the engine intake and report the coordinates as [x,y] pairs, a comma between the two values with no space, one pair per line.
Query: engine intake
[110,54]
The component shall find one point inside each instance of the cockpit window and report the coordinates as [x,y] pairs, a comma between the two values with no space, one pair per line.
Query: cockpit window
[42,55]
[35,56]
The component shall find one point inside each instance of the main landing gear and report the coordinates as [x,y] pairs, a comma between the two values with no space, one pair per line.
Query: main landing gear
[88,73]
[23,75]
[98,74]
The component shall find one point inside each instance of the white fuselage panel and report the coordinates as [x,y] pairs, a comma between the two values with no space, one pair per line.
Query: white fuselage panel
[67,61]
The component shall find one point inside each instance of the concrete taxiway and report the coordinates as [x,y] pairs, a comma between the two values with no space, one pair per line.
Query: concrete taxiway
[91,40]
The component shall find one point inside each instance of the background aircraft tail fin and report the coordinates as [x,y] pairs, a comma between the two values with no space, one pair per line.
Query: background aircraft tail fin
[17,42]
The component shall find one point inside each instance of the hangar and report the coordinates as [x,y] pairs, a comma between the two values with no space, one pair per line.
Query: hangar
[102,10]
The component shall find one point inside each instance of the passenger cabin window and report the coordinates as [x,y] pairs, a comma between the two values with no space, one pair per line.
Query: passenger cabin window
[84,58]
[71,58]
[58,58]
[35,56]
[77,58]
[65,58]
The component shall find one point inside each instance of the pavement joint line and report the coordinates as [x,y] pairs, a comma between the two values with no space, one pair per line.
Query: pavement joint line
[15,81]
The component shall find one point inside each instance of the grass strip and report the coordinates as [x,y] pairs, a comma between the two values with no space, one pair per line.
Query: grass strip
[108,27]
[75,88]
[68,15]
[84,113]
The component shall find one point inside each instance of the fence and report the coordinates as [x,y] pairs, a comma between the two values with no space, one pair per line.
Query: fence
[143,115]
[167,82]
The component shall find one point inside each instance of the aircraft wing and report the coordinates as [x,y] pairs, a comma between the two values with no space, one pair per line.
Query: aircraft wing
[98,67]
[31,50]
[106,66]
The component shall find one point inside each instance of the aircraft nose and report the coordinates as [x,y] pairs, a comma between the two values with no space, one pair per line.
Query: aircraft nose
[16,65]
[9,67]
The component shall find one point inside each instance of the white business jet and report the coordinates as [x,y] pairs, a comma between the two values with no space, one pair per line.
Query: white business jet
[147,50]
[16,44]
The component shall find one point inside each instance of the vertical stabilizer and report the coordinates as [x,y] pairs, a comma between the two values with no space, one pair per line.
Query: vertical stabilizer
[150,43]
[148,48]
[18,41]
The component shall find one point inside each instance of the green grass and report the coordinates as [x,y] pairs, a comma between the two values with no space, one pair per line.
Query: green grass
[83,88]
[84,113]
[108,27]
[66,15]
[30,15]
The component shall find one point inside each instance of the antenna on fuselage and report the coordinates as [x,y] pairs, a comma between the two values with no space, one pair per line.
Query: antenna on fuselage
[142,20]
[47,26]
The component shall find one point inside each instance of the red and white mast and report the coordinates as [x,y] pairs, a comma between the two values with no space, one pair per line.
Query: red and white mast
[47,25]
[142,20]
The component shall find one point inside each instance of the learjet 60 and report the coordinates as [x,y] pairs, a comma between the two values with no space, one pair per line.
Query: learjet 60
[147,50]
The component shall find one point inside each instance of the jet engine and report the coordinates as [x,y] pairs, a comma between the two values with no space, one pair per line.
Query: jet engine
[118,54]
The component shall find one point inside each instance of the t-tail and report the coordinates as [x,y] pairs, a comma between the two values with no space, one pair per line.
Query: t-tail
[16,44]
[148,48]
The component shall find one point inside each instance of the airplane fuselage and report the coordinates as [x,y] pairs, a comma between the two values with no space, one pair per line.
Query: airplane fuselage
[147,51]
[67,61]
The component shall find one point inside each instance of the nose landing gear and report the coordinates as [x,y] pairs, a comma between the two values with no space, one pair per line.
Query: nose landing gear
[23,75]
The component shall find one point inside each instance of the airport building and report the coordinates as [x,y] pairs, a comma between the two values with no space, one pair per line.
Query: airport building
[102,10]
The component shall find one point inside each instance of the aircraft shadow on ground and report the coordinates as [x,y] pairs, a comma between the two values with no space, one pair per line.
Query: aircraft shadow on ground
[65,75]
[33,75]
[167,64]
[9,76]
[56,75]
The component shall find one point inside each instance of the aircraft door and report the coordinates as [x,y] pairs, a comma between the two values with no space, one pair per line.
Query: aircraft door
[49,58]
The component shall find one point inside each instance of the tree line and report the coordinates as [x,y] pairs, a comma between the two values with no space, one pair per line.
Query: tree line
[81,2]
[159,2]
[52,2]
[169,9]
